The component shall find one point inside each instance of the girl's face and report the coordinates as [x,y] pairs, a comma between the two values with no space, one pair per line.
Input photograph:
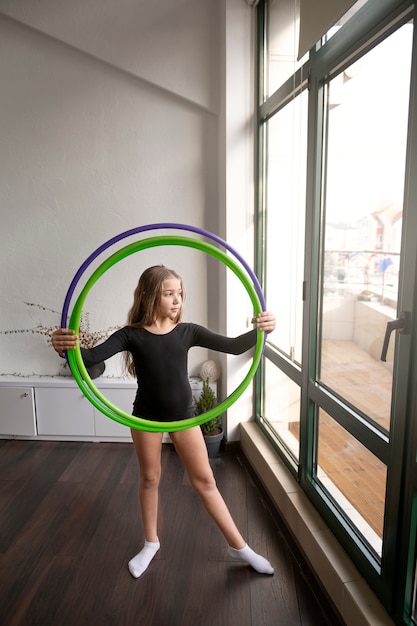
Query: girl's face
[171,298]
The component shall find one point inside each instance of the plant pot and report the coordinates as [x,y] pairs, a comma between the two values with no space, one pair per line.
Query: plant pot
[213,443]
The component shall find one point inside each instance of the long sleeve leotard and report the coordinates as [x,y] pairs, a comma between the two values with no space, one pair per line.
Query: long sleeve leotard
[161,364]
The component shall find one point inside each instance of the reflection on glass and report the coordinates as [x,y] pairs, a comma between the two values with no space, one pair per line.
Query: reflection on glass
[344,19]
[283,22]
[285,219]
[354,477]
[281,408]
[366,144]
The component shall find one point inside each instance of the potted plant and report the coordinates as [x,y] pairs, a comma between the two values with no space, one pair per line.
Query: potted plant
[212,429]
[88,338]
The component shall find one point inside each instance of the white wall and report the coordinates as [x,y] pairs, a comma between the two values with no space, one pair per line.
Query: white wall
[113,115]
[238,218]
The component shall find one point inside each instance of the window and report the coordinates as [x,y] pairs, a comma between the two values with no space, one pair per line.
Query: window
[284,218]
[282,63]
[338,256]
[366,137]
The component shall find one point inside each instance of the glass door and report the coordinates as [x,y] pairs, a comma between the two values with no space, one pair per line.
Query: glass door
[360,316]
[286,141]
[409,529]
[413,563]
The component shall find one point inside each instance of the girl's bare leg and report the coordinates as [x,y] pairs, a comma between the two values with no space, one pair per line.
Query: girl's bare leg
[148,450]
[191,448]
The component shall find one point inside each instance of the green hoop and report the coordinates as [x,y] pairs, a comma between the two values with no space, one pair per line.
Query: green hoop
[79,370]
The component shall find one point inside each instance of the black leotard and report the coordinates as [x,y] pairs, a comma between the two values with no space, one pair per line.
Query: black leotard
[164,392]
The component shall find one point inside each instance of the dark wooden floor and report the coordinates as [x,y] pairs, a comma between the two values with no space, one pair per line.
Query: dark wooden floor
[69,522]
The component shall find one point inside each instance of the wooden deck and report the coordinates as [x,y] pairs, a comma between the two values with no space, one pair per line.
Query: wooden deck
[363,381]
[356,472]
[350,471]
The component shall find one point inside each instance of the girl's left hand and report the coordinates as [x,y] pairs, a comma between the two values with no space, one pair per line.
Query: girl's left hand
[265,321]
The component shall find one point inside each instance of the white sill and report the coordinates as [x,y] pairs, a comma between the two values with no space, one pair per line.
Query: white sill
[349,592]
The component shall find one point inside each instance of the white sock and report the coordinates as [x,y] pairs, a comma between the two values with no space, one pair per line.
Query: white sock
[258,562]
[140,562]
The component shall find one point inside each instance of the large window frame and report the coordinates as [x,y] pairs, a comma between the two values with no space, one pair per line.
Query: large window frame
[392,575]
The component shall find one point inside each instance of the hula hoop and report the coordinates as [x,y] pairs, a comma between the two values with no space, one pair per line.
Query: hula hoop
[145,228]
[75,359]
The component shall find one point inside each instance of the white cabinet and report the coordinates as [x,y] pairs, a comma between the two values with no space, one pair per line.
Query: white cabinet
[63,411]
[67,412]
[17,411]
[107,427]
[55,408]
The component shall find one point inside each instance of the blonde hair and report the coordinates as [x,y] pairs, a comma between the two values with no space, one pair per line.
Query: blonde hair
[146,299]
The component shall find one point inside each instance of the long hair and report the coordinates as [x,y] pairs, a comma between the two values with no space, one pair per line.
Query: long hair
[146,299]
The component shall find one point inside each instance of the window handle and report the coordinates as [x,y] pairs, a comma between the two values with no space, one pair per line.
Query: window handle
[401,324]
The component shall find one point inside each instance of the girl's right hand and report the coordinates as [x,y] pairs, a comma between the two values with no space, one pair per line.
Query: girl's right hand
[64,339]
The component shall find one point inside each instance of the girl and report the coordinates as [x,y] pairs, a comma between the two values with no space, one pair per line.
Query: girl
[156,344]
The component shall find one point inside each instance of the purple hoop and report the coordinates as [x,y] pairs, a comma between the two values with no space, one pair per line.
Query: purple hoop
[141,229]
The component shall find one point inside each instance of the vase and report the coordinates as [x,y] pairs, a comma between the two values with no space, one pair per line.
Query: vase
[213,443]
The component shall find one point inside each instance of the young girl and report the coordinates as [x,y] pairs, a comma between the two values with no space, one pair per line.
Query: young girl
[156,344]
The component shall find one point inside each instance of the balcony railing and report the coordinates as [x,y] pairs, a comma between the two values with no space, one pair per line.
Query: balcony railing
[367,274]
